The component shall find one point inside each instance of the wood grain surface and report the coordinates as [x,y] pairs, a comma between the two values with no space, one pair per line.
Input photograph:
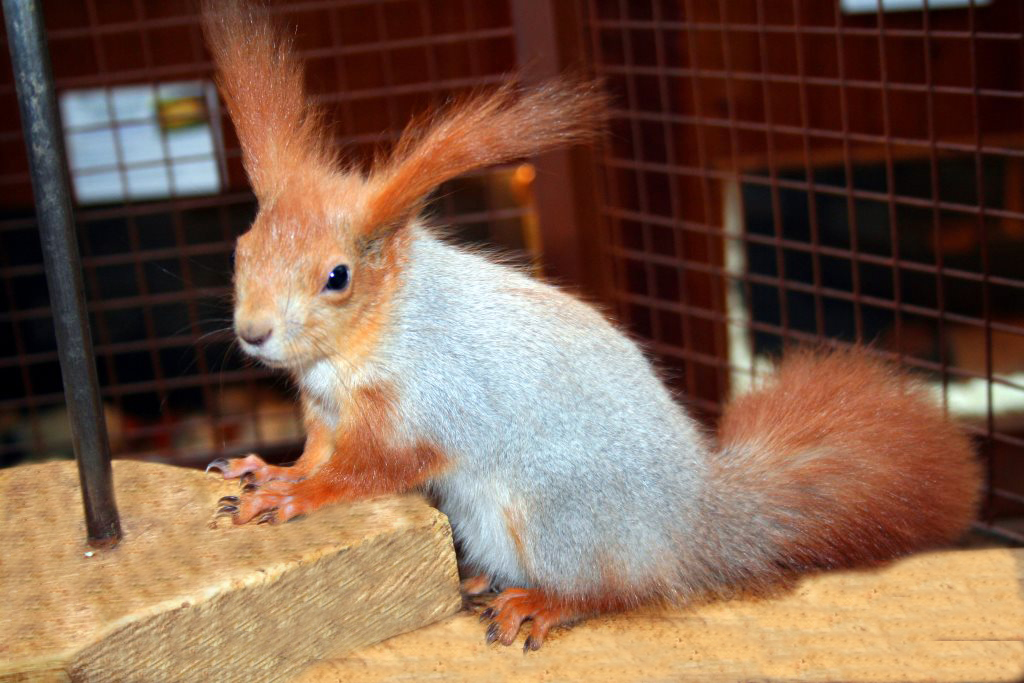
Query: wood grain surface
[179,600]
[947,616]
[306,601]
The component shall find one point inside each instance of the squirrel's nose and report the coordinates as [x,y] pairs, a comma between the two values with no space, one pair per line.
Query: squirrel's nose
[255,332]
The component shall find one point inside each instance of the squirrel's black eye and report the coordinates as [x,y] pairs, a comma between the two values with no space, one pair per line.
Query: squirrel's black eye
[338,279]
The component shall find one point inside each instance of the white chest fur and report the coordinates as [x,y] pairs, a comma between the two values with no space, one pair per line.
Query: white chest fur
[325,387]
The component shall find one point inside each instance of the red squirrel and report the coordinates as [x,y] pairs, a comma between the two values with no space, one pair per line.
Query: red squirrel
[574,483]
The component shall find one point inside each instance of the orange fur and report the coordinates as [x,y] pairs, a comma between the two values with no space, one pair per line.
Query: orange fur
[276,255]
[513,606]
[855,455]
[479,131]
[318,449]
[366,461]
[316,213]
[514,525]
[319,445]
[475,585]
[281,132]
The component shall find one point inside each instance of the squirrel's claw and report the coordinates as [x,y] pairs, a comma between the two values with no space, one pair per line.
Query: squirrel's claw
[218,464]
[238,467]
[268,517]
[276,500]
[226,509]
[273,503]
[531,644]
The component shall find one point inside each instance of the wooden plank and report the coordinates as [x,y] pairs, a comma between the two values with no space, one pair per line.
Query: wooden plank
[948,616]
[178,600]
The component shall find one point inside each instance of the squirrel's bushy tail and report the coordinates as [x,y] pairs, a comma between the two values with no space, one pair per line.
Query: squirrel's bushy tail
[839,461]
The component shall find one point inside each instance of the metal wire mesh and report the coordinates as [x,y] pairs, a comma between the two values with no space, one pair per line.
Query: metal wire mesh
[157,265]
[784,172]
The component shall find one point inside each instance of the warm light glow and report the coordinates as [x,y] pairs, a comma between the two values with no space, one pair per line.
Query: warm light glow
[525,174]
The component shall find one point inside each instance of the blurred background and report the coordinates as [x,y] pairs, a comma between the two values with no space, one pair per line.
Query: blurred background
[776,172]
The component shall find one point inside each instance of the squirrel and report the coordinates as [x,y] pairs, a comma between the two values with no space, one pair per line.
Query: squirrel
[574,482]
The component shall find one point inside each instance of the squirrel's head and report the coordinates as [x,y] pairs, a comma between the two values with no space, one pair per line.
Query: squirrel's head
[310,280]
[316,274]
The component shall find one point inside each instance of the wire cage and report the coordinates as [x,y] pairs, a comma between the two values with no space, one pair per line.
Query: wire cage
[787,172]
[776,172]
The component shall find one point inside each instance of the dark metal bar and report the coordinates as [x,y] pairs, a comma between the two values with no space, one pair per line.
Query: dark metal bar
[790,79]
[640,179]
[542,52]
[38,104]
[678,210]
[711,215]
[605,191]
[812,201]
[933,162]
[986,268]
[734,150]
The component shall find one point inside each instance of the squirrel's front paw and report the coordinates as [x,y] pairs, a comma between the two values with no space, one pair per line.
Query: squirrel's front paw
[275,502]
[253,469]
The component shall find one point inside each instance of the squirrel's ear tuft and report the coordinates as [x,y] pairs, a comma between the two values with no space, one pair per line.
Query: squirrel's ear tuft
[281,133]
[477,131]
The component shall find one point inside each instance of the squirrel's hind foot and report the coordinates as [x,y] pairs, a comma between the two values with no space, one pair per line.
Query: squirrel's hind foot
[513,606]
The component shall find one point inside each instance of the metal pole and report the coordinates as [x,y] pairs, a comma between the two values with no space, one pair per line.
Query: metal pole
[548,40]
[38,104]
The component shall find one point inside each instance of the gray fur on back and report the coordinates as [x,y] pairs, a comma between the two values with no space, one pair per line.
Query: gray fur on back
[552,419]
